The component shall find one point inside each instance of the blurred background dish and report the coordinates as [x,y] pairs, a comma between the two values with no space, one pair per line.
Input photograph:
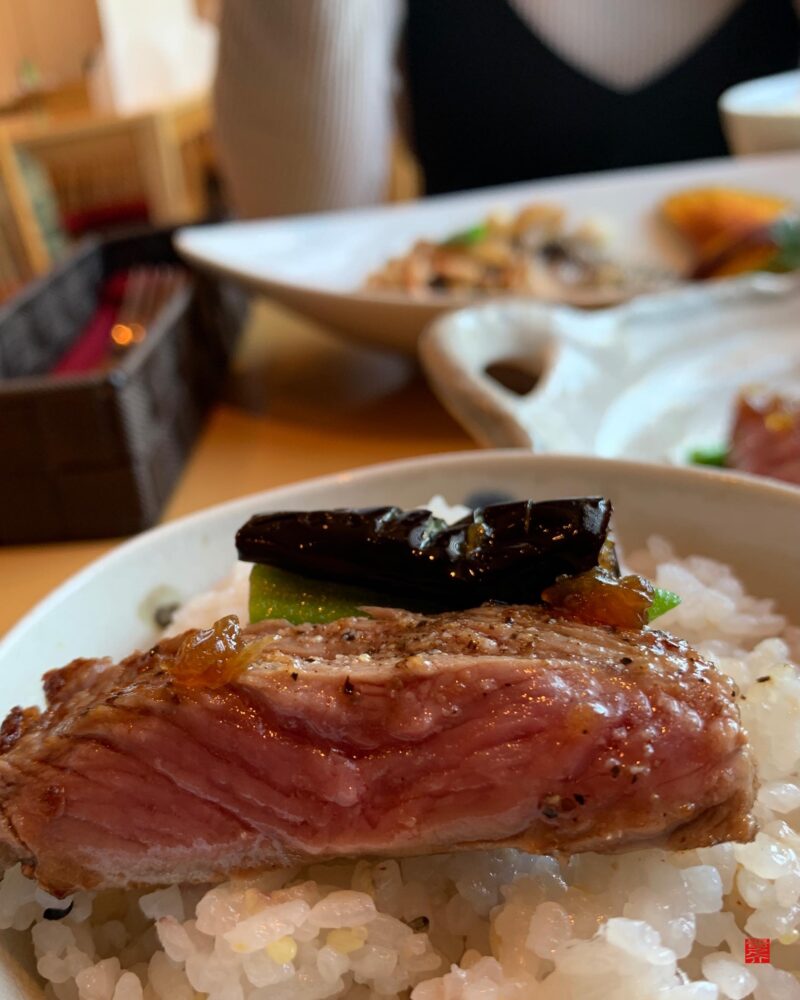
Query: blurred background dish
[655,380]
[318,264]
[762,116]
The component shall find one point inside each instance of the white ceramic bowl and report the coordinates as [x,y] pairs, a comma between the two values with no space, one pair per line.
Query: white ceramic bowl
[749,523]
[762,116]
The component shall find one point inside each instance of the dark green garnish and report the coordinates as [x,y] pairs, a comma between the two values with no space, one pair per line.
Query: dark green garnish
[786,234]
[715,454]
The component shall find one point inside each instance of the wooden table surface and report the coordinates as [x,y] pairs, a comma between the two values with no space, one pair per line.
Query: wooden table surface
[299,404]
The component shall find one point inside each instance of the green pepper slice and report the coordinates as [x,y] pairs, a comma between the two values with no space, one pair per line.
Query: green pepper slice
[277,593]
[663,601]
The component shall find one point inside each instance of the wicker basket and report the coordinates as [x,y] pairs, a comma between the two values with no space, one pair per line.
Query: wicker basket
[96,455]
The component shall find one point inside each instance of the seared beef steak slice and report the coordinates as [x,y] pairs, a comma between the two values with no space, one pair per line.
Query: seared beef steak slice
[396,734]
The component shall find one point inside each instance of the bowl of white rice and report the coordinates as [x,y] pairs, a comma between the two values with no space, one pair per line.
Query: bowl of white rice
[719,922]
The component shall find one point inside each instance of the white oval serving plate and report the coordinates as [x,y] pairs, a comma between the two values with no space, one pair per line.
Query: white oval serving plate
[650,380]
[748,523]
[317,264]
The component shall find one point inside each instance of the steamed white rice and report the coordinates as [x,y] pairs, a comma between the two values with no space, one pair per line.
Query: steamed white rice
[482,925]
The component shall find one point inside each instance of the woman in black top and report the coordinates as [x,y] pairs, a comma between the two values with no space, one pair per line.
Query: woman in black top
[494,89]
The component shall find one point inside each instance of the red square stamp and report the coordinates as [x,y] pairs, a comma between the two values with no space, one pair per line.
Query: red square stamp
[756,951]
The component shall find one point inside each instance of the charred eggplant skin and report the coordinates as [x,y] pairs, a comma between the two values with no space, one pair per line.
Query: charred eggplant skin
[504,552]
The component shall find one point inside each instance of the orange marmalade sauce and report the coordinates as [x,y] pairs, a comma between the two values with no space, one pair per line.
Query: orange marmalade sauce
[598,597]
[211,657]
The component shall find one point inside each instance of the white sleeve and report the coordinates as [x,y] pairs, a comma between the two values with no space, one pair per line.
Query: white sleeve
[304,103]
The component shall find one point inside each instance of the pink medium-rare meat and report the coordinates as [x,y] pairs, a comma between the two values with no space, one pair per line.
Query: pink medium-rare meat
[766,437]
[397,734]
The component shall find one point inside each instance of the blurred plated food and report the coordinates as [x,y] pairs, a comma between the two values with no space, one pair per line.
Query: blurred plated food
[732,231]
[319,264]
[533,252]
